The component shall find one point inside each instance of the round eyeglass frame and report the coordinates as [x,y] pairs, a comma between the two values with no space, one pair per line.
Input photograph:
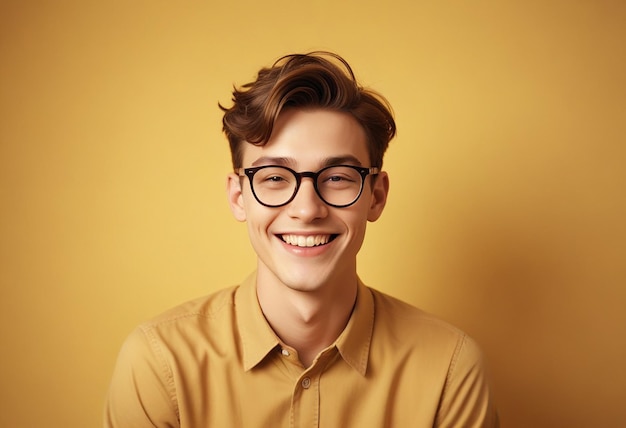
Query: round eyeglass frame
[363,172]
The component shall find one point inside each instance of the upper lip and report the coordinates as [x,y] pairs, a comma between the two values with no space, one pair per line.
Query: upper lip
[305,234]
[308,233]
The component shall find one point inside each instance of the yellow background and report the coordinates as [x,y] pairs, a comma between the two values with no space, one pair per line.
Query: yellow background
[506,214]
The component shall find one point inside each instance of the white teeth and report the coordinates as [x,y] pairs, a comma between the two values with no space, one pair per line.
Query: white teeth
[306,241]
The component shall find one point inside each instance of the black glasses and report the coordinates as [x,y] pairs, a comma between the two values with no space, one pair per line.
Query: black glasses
[338,186]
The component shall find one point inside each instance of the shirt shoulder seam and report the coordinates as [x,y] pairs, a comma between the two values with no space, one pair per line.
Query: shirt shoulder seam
[178,313]
[166,369]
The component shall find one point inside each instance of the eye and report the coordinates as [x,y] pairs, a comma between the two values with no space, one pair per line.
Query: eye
[273,178]
[339,178]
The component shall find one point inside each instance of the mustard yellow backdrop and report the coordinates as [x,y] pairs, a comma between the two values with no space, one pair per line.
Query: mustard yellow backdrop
[506,214]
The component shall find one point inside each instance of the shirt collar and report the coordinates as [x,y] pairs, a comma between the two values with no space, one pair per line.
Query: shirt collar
[354,342]
[258,338]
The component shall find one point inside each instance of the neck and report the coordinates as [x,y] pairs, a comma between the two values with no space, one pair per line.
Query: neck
[311,320]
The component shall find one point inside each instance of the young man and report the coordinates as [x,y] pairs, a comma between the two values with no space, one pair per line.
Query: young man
[302,342]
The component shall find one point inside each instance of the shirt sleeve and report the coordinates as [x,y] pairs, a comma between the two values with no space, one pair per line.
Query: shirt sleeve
[467,401]
[142,392]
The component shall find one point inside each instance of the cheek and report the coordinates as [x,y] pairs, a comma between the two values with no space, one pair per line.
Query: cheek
[259,218]
[356,223]
[257,234]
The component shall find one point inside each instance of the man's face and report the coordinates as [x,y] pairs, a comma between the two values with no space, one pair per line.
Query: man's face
[307,244]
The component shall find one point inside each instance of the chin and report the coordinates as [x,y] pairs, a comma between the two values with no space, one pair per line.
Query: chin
[316,280]
[303,284]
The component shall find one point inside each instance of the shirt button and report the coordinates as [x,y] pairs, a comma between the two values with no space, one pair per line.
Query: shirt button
[285,352]
[306,383]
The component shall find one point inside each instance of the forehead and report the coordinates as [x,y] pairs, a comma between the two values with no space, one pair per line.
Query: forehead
[308,138]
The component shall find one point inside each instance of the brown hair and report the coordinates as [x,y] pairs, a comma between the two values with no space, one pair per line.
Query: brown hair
[318,80]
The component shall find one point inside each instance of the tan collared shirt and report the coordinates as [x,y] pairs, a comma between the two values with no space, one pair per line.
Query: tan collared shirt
[215,362]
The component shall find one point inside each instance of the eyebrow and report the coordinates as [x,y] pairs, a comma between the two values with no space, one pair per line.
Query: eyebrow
[269,160]
[291,162]
[342,160]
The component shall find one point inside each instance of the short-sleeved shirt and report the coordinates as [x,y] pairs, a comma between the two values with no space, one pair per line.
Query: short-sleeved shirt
[216,362]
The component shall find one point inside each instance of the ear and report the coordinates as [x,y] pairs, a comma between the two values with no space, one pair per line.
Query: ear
[235,197]
[379,196]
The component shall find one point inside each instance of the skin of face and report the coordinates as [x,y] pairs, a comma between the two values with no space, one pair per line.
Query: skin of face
[308,140]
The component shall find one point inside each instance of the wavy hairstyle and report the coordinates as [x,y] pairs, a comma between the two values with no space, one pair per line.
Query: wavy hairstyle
[313,80]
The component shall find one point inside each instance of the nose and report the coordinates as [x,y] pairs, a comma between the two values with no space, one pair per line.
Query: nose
[307,205]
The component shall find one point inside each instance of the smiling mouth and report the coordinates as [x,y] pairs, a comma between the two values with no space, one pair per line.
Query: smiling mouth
[307,241]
